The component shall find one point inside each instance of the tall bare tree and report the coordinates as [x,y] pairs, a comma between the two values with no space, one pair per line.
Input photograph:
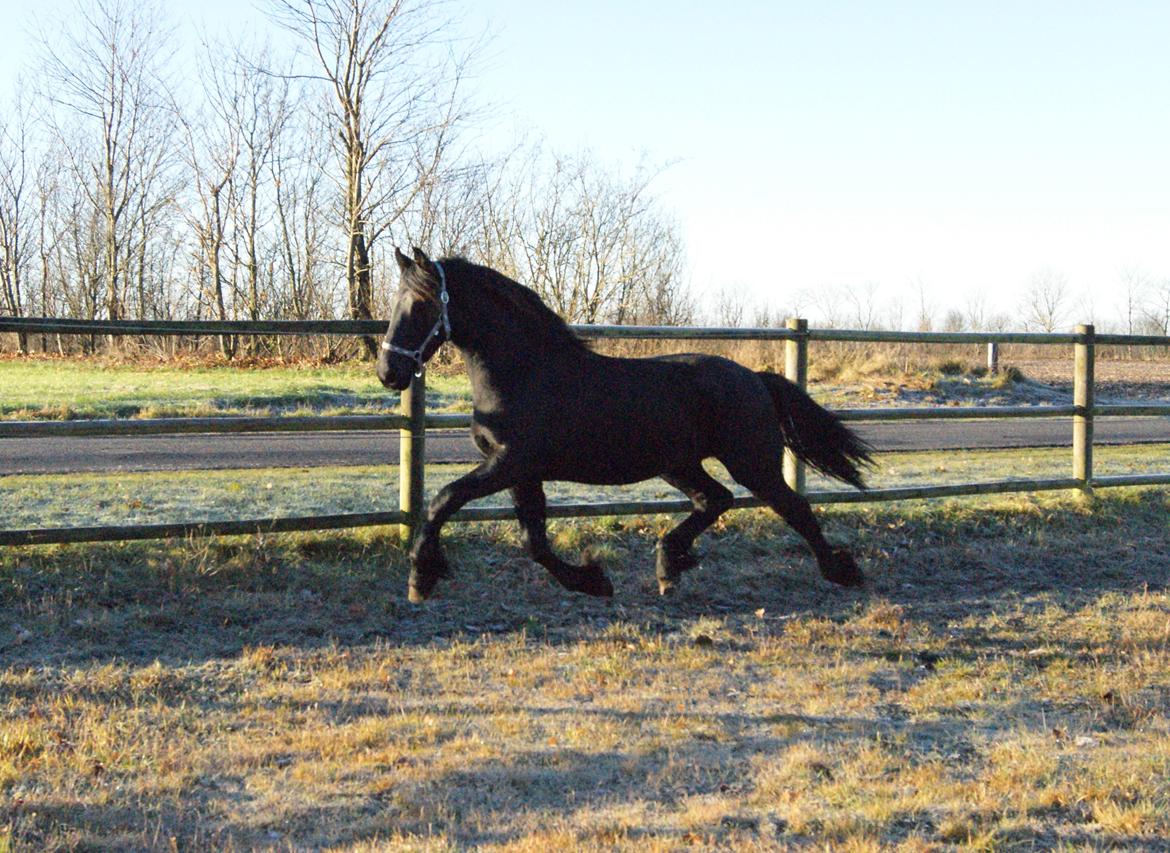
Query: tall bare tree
[976,311]
[15,222]
[863,305]
[297,171]
[49,231]
[104,70]
[1156,313]
[213,149]
[231,145]
[594,244]
[392,105]
[924,322]
[1045,302]
[1135,287]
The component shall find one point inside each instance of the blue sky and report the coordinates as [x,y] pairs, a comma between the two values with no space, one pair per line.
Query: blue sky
[821,145]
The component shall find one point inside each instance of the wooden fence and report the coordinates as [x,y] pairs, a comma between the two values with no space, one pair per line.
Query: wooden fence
[413,422]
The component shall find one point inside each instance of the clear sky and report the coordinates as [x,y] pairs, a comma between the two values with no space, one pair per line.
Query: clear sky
[832,143]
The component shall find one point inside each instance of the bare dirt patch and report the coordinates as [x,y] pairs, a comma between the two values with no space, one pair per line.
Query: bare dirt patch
[1116,380]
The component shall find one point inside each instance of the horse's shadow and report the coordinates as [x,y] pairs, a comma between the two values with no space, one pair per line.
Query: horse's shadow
[349,589]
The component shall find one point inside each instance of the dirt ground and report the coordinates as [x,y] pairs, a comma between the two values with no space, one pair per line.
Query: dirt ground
[1116,380]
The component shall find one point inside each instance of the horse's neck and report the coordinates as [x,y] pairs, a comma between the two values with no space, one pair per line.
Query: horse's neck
[502,360]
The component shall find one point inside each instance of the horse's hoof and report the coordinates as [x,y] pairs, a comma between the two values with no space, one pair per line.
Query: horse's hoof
[421,585]
[842,570]
[427,558]
[670,565]
[591,578]
[597,585]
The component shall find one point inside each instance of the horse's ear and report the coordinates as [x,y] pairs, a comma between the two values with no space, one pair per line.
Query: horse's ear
[420,258]
[404,263]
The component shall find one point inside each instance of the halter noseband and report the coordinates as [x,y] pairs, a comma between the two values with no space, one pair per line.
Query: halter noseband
[443,324]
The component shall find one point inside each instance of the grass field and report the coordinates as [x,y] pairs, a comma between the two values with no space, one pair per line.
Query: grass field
[63,389]
[58,389]
[147,498]
[1003,682]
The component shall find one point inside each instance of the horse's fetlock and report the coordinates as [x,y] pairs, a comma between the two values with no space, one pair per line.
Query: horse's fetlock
[719,504]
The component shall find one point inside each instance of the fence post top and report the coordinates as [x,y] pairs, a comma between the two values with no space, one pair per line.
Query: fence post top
[1085,329]
[797,324]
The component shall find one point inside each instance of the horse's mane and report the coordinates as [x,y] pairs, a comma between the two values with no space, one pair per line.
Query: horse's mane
[522,303]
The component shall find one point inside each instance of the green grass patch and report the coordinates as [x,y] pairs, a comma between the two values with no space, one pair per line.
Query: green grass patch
[62,389]
[68,389]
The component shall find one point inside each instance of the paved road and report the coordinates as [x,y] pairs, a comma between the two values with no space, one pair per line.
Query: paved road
[307,450]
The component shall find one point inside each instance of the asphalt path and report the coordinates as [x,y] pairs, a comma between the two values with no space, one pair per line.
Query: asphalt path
[318,449]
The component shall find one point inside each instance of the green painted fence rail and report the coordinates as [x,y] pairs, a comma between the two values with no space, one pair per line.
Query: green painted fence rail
[413,422]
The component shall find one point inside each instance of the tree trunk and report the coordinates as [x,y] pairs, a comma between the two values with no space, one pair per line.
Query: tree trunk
[361,291]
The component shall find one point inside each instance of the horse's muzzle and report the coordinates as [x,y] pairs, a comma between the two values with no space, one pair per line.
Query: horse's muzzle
[395,380]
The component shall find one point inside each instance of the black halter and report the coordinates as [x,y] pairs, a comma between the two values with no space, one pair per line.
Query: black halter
[442,324]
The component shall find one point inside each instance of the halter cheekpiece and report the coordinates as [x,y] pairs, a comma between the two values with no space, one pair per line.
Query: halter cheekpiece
[442,324]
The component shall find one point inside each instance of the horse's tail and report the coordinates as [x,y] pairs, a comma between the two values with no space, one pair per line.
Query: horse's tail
[816,435]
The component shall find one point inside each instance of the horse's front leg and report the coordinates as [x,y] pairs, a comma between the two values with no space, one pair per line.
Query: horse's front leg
[531,512]
[426,557]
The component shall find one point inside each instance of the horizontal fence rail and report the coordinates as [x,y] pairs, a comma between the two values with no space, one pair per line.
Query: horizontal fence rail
[413,422]
[208,328]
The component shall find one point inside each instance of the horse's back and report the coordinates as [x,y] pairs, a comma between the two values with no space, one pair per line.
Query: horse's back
[715,400]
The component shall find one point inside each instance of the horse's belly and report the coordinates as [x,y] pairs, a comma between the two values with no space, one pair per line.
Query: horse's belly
[600,476]
[617,461]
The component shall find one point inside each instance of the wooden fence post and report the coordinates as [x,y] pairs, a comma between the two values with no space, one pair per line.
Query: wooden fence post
[1083,399]
[412,457]
[796,372]
[993,358]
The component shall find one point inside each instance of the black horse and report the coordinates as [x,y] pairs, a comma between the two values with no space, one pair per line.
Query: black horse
[549,408]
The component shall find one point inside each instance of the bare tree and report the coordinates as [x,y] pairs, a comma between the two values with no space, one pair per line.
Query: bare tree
[392,110]
[262,114]
[828,302]
[213,151]
[927,309]
[999,322]
[954,321]
[1045,302]
[1156,314]
[105,70]
[49,235]
[863,304]
[15,223]
[895,313]
[1135,285]
[594,244]
[730,307]
[975,311]
[297,177]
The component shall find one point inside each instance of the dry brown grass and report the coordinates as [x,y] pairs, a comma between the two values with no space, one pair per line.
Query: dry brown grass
[1003,682]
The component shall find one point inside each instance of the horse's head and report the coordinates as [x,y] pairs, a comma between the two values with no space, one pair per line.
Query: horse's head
[419,323]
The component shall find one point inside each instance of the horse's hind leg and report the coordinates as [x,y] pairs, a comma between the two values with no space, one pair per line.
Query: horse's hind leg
[530,512]
[766,482]
[711,499]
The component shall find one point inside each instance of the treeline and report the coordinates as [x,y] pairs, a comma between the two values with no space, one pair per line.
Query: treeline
[266,184]
[1137,303]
